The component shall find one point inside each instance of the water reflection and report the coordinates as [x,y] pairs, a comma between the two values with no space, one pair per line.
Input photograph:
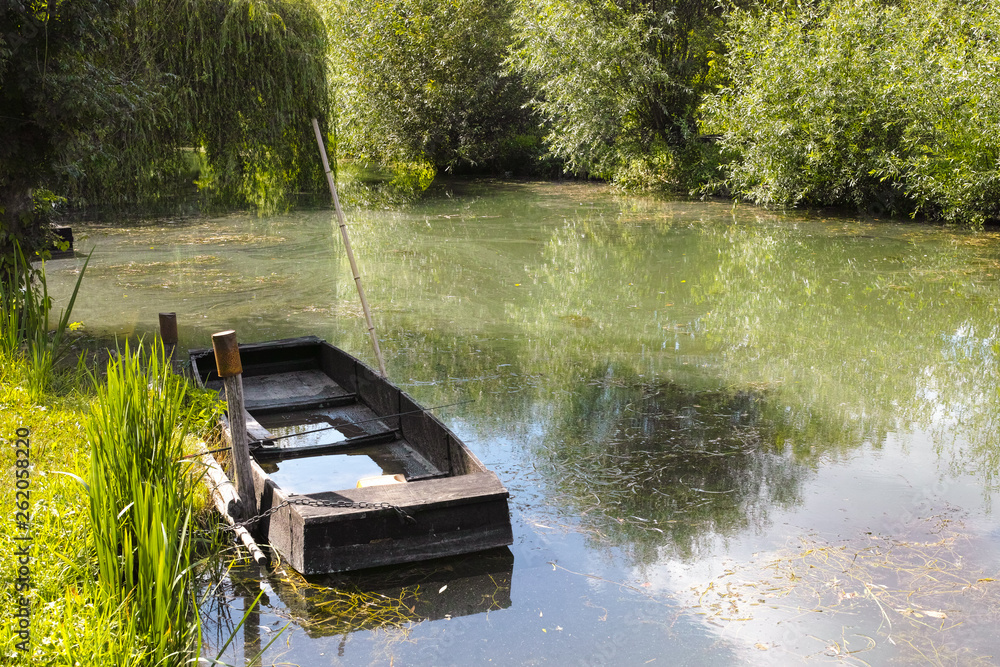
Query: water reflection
[378,598]
[669,389]
[877,334]
[651,467]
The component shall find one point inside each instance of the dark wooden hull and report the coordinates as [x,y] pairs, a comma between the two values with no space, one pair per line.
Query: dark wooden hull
[306,387]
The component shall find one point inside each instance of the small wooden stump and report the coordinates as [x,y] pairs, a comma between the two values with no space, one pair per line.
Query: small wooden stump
[230,369]
[168,334]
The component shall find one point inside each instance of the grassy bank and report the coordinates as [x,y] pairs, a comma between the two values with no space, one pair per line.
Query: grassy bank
[72,619]
[101,544]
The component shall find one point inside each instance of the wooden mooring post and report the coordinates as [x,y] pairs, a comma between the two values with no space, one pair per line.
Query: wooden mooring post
[230,369]
[168,334]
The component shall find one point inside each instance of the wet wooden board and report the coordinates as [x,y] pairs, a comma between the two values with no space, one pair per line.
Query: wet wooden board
[452,515]
[289,390]
[386,438]
[350,420]
[255,431]
[417,496]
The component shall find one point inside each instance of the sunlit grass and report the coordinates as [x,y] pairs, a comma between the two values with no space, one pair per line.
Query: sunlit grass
[72,620]
[113,510]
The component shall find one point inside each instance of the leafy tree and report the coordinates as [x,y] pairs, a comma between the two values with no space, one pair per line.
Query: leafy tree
[104,100]
[249,75]
[887,107]
[619,82]
[423,81]
[49,91]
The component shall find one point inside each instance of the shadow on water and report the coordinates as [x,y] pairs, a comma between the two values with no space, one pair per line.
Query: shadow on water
[371,599]
[649,464]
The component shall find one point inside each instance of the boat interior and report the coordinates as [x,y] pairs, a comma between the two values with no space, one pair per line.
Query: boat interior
[319,420]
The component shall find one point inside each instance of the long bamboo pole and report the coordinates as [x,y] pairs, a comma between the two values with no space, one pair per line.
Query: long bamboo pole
[347,247]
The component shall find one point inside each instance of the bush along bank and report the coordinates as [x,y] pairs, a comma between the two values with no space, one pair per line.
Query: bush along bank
[889,108]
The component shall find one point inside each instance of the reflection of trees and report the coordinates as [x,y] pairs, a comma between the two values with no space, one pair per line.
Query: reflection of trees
[874,334]
[614,291]
[652,465]
[441,368]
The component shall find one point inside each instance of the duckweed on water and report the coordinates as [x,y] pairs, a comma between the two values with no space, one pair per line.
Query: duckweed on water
[647,463]
[348,608]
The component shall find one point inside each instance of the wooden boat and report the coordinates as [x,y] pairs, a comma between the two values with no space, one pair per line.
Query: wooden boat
[387,482]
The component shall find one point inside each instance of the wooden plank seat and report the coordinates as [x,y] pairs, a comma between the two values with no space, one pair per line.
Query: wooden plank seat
[294,390]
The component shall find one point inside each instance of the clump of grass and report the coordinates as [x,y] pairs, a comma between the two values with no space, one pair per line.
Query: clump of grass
[143,498]
[73,622]
[25,321]
[112,557]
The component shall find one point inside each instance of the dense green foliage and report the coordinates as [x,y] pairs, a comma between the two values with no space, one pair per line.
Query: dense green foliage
[887,107]
[423,81]
[619,83]
[111,102]
[50,94]
[243,79]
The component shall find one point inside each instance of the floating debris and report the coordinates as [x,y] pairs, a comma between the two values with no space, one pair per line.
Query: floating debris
[915,598]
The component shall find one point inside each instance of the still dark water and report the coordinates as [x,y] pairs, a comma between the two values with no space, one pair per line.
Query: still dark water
[730,436]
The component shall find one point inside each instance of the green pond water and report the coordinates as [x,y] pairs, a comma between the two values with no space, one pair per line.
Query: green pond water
[730,436]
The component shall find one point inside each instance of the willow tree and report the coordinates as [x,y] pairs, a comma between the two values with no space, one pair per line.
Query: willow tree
[424,81]
[246,77]
[619,82]
[105,100]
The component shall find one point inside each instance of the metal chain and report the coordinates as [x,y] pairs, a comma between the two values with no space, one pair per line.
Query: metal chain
[312,502]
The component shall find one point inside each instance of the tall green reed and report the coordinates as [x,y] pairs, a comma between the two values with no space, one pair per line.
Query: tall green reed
[142,499]
[25,319]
